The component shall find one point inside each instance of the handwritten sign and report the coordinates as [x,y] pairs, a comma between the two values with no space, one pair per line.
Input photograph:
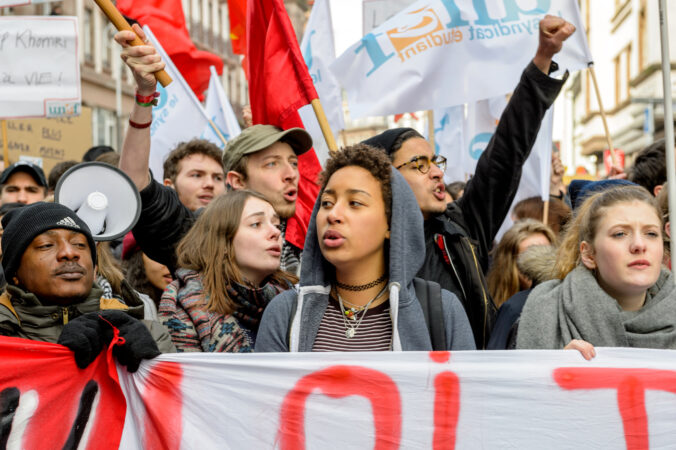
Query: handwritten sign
[39,68]
[50,141]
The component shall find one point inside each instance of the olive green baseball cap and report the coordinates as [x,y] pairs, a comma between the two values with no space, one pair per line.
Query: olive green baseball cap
[259,137]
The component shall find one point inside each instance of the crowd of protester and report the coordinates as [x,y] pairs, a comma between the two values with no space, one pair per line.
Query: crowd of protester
[393,259]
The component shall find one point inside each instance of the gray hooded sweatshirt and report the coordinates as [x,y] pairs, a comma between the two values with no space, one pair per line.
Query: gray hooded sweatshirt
[291,320]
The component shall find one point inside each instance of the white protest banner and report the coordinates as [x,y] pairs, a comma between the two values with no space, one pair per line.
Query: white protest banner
[439,53]
[177,117]
[219,110]
[319,52]
[622,399]
[376,12]
[39,67]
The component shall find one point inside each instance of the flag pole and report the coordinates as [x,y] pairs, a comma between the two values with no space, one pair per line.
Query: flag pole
[430,126]
[545,212]
[121,24]
[603,115]
[668,120]
[324,125]
[5,145]
[217,131]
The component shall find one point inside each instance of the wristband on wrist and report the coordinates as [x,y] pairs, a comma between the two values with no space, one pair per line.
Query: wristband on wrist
[147,100]
[139,126]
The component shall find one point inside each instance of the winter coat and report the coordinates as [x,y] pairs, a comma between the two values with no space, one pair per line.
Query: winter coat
[193,328]
[23,315]
[458,241]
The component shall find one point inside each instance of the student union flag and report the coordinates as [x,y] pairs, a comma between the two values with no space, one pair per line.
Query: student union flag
[440,53]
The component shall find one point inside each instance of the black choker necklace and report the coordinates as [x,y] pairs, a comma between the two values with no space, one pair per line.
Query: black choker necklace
[362,287]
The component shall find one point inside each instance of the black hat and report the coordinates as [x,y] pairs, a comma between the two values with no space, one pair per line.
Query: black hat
[22,225]
[385,140]
[96,151]
[24,166]
[579,190]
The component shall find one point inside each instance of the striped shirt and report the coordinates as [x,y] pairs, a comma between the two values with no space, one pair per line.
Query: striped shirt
[374,332]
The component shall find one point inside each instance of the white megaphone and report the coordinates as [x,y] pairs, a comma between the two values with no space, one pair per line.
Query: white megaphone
[103,196]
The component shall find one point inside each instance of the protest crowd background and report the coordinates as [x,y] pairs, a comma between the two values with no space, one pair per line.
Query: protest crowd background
[215,177]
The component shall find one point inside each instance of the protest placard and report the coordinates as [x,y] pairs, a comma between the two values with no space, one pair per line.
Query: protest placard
[622,399]
[39,68]
[50,140]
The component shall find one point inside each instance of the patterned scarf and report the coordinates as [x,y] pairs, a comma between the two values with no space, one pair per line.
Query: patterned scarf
[252,301]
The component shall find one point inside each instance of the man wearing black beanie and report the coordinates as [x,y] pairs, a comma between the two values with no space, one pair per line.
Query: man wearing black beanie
[49,256]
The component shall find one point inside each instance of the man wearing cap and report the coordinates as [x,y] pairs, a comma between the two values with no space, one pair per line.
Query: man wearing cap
[48,259]
[459,235]
[22,182]
[262,158]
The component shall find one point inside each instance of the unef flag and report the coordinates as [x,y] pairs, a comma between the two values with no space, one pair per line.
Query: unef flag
[177,117]
[480,124]
[449,140]
[220,112]
[319,52]
[439,53]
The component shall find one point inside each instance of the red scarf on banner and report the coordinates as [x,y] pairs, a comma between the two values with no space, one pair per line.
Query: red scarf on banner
[279,84]
[167,22]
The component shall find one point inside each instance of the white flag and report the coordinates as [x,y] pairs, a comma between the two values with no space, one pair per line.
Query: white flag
[319,52]
[480,125]
[439,53]
[449,140]
[536,170]
[220,112]
[178,116]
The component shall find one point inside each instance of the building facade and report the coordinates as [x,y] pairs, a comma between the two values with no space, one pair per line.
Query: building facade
[624,39]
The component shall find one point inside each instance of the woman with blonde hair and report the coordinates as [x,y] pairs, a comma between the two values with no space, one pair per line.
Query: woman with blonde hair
[504,278]
[612,290]
[229,271]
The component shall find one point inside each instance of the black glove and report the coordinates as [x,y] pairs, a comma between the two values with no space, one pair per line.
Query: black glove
[90,333]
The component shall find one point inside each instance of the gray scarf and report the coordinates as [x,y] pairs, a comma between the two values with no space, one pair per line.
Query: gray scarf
[557,312]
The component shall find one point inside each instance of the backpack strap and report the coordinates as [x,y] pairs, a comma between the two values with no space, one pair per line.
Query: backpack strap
[429,296]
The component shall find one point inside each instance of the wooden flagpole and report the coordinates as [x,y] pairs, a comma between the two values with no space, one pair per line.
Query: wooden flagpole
[545,213]
[324,125]
[121,24]
[603,115]
[430,127]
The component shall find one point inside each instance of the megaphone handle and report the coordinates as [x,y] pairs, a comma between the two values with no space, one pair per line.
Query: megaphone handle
[121,24]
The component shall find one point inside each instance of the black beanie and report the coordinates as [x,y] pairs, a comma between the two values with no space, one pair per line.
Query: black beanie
[385,140]
[22,225]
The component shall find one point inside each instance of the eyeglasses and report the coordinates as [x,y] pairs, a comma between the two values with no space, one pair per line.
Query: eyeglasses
[422,163]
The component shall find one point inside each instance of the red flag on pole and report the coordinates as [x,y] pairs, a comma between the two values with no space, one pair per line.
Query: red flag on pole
[279,84]
[167,21]
[237,16]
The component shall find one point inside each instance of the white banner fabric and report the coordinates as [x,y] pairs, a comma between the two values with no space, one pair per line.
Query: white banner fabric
[623,398]
[440,53]
[219,110]
[319,52]
[39,67]
[178,116]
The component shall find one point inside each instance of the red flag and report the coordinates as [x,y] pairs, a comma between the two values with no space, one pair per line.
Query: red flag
[237,15]
[167,22]
[279,84]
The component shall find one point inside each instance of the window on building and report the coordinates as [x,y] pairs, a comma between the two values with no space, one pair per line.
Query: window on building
[642,38]
[622,75]
[88,35]
[108,42]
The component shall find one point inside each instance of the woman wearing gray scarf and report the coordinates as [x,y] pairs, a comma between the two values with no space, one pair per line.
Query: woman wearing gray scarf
[611,289]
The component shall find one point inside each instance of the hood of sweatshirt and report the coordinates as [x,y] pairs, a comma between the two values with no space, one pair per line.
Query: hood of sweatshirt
[406,252]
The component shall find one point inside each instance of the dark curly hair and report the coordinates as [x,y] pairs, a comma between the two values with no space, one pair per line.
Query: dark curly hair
[372,159]
[193,147]
[136,276]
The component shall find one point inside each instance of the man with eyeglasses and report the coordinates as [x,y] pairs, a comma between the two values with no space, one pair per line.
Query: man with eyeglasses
[459,235]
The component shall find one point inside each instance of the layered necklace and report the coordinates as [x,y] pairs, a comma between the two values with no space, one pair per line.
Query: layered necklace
[351,313]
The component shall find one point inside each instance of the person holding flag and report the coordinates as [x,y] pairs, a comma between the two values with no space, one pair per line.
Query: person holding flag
[459,235]
[262,158]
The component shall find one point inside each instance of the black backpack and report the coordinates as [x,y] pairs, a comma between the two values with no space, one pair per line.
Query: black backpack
[429,296]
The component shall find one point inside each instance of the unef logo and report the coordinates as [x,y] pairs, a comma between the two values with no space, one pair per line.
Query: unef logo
[420,35]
